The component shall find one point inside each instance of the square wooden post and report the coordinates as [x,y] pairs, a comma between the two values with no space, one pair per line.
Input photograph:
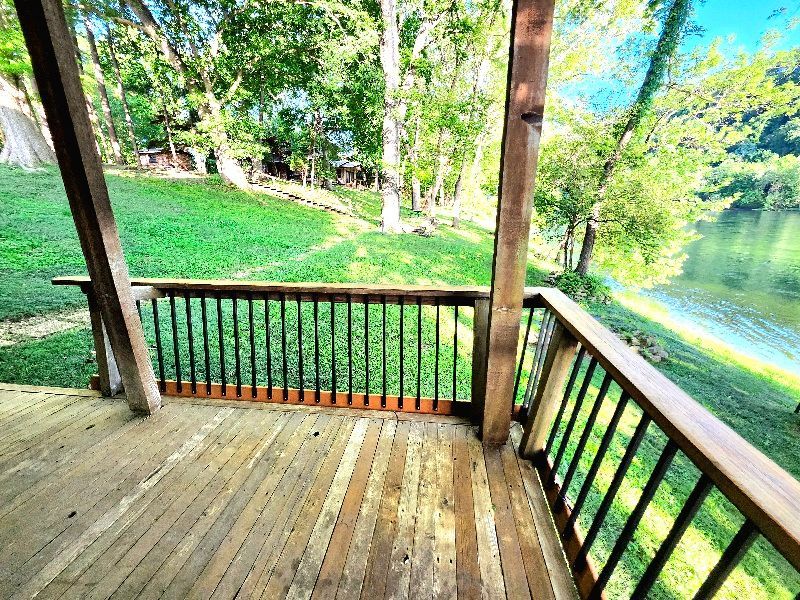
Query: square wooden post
[550,391]
[480,329]
[107,370]
[52,55]
[531,29]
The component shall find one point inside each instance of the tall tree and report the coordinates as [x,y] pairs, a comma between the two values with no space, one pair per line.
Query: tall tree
[102,91]
[123,96]
[677,18]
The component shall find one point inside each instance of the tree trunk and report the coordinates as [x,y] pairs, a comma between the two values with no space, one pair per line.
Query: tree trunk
[457,195]
[666,47]
[442,164]
[23,143]
[390,62]
[123,98]
[99,77]
[416,187]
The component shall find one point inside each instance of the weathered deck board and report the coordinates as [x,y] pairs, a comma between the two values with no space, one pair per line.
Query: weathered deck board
[218,500]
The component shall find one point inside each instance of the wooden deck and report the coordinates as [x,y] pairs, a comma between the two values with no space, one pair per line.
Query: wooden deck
[250,500]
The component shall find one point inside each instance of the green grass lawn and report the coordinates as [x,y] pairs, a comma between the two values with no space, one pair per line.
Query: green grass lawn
[200,229]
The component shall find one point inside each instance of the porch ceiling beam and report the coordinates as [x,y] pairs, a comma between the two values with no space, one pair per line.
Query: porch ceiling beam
[52,53]
[531,29]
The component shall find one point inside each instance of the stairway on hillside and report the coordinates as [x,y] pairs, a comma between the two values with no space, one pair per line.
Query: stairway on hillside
[332,204]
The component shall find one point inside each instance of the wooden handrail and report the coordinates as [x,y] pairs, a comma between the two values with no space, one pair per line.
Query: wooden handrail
[764,492]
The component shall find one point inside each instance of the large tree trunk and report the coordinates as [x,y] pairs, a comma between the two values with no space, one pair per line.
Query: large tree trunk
[99,77]
[416,186]
[666,47]
[23,143]
[458,194]
[390,62]
[123,98]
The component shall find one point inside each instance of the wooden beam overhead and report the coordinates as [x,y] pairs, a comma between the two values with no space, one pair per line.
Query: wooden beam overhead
[531,29]
[52,53]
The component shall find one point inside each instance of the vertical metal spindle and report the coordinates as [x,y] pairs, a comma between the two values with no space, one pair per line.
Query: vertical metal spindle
[679,527]
[608,499]
[349,349]
[316,349]
[206,354]
[300,347]
[383,353]
[221,339]
[159,348]
[366,350]
[587,380]
[436,363]
[523,354]
[455,352]
[593,470]
[139,310]
[538,351]
[419,352]
[175,348]
[333,349]
[236,348]
[253,382]
[735,551]
[547,336]
[573,376]
[588,428]
[625,536]
[190,338]
[402,351]
[283,349]
[269,346]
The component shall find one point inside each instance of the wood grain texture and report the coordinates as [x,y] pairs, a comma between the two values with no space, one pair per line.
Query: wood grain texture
[221,501]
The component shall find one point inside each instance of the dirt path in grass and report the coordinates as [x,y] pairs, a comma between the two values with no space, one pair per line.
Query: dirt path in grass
[34,328]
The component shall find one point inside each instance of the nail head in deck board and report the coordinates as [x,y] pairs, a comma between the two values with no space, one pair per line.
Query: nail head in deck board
[52,54]
[531,28]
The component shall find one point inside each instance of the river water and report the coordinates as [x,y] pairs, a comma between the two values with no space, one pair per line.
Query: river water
[741,283]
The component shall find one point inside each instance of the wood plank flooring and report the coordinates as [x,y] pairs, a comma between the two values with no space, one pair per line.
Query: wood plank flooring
[233,500]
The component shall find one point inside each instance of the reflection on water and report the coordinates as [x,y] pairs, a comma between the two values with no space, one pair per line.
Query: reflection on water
[741,282]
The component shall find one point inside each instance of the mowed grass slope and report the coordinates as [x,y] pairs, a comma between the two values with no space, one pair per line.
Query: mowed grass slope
[203,230]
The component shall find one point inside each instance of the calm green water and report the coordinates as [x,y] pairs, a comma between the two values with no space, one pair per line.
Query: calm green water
[741,282]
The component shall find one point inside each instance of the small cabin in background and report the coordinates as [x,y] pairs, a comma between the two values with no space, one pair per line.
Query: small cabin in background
[348,172]
[161,158]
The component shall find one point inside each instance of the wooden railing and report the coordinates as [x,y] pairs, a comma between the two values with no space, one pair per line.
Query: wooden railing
[589,404]
[406,348]
[589,385]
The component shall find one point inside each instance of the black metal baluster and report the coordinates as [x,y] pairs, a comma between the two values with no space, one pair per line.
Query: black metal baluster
[436,363]
[190,337]
[625,536]
[679,527]
[587,380]
[159,348]
[269,346]
[593,470]
[573,376]
[300,348]
[419,353]
[402,351]
[221,338]
[523,354]
[253,382]
[283,348]
[333,350]
[175,349]
[605,505]
[366,350]
[349,349]
[543,324]
[316,349]
[548,335]
[735,551]
[455,352]
[582,441]
[383,352]
[236,349]
[139,310]
[206,354]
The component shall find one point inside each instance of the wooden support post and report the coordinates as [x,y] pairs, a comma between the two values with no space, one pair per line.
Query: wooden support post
[480,329]
[531,28]
[550,391]
[107,370]
[52,55]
